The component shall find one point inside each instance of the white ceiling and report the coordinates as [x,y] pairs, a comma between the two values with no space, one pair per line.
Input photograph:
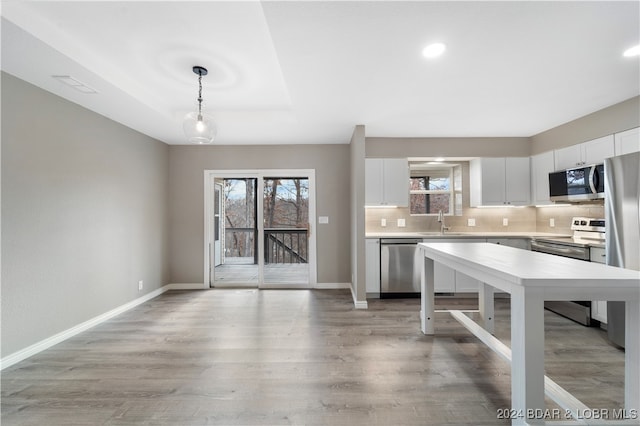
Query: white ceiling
[309,71]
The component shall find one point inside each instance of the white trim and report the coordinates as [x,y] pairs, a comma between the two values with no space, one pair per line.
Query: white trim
[29,351]
[285,286]
[260,174]
[356,303]
[242,285]
[318,286]
[361,305]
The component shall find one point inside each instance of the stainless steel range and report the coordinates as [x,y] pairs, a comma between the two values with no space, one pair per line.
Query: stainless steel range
[587,233]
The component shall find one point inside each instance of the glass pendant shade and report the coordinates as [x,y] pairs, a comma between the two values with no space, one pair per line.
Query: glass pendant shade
[199,128]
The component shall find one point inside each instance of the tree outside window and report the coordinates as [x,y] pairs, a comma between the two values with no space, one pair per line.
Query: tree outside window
[431,190]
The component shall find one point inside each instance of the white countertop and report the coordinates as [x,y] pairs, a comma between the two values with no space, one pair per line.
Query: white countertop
[522,267]
[453,234]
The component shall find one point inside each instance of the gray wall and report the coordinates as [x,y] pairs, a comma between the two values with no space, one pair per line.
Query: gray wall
[186,188]
[614,119]
[84,214]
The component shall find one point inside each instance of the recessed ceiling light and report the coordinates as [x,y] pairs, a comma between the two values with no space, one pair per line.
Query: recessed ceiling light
[434,50]
[632,51]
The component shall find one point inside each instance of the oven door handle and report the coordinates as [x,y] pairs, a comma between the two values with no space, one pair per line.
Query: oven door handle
[554,249]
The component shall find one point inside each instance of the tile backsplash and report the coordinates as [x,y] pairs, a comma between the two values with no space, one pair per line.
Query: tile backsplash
[562,216]
[527,219]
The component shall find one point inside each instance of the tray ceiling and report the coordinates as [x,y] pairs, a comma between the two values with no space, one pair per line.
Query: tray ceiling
[308,72]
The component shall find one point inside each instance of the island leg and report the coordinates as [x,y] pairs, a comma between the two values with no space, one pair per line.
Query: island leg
[427,301]
[485,302]
[632,357]
[527,355]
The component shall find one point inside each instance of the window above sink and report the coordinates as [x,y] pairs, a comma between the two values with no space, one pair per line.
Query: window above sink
[435,186]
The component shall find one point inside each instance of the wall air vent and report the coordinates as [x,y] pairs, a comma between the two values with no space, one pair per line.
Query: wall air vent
[74,83]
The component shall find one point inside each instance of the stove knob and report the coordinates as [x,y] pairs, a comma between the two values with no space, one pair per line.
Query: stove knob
[583,222]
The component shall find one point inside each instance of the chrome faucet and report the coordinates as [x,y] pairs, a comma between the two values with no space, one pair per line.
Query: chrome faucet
[441,220]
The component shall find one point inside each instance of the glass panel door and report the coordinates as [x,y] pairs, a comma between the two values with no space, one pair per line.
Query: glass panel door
[238,228]
[286,230]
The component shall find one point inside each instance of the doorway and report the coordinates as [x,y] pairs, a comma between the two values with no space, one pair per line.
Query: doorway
[258,229]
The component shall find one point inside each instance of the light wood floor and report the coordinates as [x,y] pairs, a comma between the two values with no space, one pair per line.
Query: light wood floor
[277,357]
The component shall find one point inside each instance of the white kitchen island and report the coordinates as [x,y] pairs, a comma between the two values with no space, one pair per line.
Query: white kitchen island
[531,278]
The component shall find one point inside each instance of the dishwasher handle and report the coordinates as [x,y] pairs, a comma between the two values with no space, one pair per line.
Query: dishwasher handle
[397,241]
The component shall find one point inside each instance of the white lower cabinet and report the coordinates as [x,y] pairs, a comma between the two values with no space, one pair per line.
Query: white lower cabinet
[372,266]
[448,280]
[445,279]
[466,284]
[598,307]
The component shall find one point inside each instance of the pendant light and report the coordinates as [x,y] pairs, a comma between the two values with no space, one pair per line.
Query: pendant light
[198,126]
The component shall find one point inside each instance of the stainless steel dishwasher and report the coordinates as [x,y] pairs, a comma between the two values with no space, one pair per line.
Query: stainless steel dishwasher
[399,270]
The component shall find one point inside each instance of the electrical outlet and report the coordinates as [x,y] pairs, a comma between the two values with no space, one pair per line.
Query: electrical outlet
[383,222]
[471,222]
[552,223]
[505,221]
[401,223]
[323,219]
[140,285]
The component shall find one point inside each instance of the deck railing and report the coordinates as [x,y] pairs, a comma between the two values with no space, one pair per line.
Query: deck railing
[281,245]
[285,245]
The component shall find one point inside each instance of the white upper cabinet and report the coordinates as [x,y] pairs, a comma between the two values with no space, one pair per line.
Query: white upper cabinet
[541,166]
[584,154]
[517,178]
[387,182]
[373,181]
[627,142]
[500,181]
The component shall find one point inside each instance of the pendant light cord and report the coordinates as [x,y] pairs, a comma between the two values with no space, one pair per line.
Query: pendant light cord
[200,95]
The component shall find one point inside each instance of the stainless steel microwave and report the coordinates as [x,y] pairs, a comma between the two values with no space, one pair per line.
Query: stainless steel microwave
[580,184]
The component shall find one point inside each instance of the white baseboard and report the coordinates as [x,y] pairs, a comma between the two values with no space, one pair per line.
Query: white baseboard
[358,304]
[29,351]
[361,305]
[317,286]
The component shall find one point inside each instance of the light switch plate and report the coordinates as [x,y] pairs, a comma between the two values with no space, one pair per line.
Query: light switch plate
[505,221]
[323,219]
[383,222]
[401,223]
[471,222]
[552,222]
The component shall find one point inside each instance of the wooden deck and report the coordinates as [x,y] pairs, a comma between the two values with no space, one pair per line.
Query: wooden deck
[243,271]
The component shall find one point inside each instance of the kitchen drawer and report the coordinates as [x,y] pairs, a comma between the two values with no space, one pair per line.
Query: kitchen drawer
[598,255]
